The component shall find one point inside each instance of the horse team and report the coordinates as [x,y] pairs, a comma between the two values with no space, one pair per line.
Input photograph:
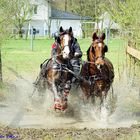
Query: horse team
[95,78]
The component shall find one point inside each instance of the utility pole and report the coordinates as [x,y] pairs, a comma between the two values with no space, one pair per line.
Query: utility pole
[32,38]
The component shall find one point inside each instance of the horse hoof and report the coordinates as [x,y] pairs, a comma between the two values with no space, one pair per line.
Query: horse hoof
[64,107]
[60,107]
[57,107]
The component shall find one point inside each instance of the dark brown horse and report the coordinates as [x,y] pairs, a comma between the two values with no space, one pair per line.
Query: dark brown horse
[57,76]
[97,71]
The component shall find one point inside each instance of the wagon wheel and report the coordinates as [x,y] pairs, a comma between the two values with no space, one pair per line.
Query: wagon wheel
[37,98]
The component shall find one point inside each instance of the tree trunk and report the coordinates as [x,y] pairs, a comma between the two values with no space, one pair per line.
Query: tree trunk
[83,33]
[65,5]
[70,2]
[49,31]
[20,32]
[27,31]
[49,28]
[0,67]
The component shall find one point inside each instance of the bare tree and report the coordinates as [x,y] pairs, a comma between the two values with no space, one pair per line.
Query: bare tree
[6,12]
[126,14]
[66,5]
[22,15]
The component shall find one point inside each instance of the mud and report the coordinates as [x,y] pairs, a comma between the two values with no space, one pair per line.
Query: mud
[27,117]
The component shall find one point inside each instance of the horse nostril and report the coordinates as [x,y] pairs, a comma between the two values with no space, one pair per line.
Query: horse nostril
[101,66]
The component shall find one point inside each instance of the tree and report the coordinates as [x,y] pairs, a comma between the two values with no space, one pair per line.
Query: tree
[6,12]
[83,8]
[127,15]
[22,14]
[49,20]
[90,8]
[66,5]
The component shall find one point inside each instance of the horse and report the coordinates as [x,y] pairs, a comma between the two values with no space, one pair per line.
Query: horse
[57,76]
[97,72]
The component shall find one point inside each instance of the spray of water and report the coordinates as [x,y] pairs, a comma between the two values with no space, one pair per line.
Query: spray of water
[37,111]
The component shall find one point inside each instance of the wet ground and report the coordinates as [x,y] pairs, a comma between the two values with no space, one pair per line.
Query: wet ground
[22,117]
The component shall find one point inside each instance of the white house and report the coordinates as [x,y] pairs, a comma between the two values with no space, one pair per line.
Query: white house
[65,19]
[46,17]
[40,18]
[106,22]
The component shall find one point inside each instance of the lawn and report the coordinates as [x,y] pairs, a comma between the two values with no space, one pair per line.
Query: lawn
[17,54]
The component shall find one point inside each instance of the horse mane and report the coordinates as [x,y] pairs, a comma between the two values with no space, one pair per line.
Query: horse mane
[66,32]
[88,53]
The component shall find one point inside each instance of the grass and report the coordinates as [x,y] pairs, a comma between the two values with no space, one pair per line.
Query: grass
[18,55]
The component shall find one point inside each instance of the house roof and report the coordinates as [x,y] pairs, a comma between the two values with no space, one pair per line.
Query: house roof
[58,14]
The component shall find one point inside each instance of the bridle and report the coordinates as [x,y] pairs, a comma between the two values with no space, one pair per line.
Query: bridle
[62,34]
[97,57]
[65,42]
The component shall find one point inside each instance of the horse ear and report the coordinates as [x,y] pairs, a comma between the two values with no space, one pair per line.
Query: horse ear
[94,36]
[61,29]
[70,29]
[103,36]
[106,48]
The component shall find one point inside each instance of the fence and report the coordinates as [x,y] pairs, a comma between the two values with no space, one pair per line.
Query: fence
[133,62]
[133,52]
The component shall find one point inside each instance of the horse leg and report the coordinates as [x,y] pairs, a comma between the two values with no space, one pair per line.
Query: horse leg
[103,106]
[57,101]
[65,94]
[86,91]
[60,96]
[93,99]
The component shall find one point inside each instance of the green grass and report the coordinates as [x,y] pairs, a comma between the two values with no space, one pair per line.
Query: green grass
[18,55]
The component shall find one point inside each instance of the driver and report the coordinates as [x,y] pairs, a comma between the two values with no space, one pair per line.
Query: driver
[76,51]
[74,62]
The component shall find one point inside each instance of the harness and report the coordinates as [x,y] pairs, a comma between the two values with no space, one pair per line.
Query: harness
[59,66]
[92,79]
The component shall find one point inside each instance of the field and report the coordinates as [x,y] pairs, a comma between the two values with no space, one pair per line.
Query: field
[17,54]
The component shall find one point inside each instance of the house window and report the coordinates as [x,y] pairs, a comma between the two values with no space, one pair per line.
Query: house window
[46,32]
[35,9]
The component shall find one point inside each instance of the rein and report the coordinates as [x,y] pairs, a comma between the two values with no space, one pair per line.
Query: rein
[97,76]
[99,57]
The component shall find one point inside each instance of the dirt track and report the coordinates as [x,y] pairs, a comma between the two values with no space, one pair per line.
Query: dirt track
[20,121]
[68,134]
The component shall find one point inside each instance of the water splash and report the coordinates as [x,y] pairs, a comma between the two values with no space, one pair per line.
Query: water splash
[79,115]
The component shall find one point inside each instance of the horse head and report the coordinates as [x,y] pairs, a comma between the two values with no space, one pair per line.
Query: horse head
[98,49]
[65,40]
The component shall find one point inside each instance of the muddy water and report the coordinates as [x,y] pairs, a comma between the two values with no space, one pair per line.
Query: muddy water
[19,110]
